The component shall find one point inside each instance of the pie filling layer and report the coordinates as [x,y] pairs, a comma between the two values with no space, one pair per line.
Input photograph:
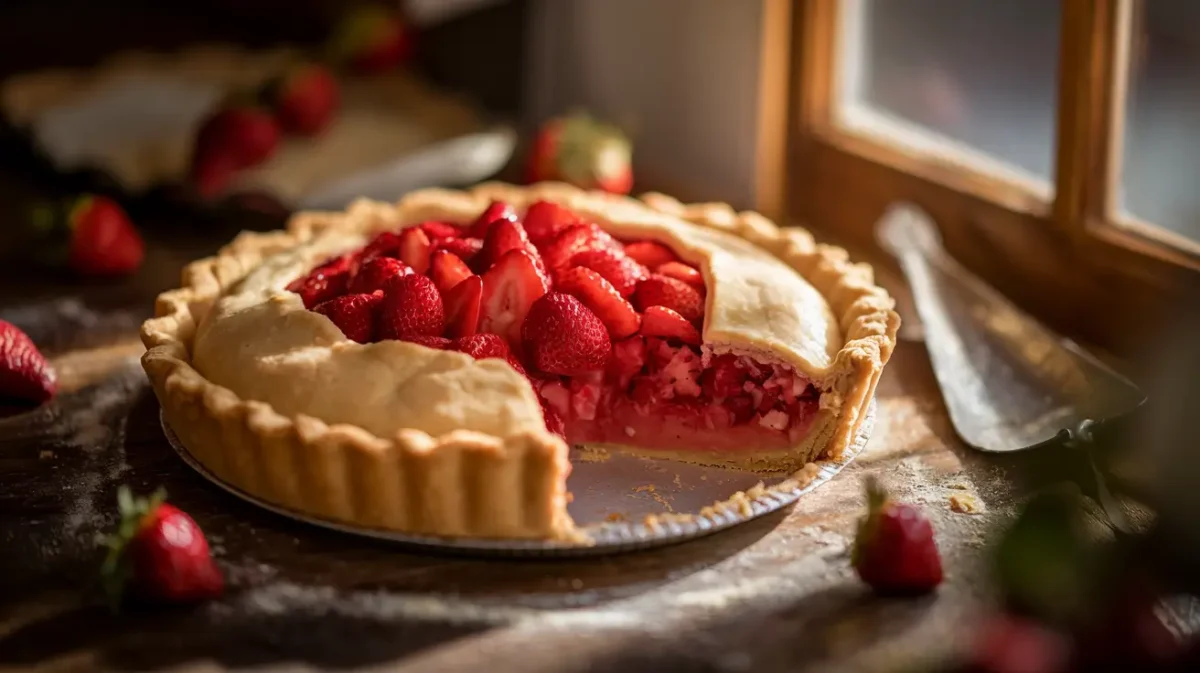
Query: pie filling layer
[607,332]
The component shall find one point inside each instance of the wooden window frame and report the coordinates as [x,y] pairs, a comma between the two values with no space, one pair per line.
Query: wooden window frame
[1064,258]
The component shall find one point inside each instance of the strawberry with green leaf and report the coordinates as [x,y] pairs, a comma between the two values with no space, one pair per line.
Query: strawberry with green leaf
[583,152]
[159,552]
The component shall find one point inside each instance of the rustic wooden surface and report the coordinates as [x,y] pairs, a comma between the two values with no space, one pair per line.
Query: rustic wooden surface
[774,594]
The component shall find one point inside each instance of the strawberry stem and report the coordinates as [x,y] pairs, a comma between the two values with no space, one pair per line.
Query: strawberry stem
[115,572]
[877,496]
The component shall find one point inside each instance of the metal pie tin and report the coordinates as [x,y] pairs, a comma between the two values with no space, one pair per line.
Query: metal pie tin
[621,503]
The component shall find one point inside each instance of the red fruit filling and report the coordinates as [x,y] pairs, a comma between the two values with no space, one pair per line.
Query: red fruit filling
[607,331]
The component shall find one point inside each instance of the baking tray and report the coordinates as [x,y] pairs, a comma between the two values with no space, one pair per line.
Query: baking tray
[128,126]
[621,503]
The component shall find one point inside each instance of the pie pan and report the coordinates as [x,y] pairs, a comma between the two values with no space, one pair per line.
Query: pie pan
[621,503]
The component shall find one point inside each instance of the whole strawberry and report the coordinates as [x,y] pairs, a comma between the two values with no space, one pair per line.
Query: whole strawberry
[587,154]
[89,234]
[305,100]
[25,376]
[159,552]
[371,39]
[103,241]
[244,133]
[894,550]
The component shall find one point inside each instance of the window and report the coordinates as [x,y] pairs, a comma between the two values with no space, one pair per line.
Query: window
[1057,143]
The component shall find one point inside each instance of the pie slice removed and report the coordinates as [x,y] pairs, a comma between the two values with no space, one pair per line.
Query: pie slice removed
[423,367]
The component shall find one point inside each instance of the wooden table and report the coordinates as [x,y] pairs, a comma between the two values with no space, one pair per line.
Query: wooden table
[774,594]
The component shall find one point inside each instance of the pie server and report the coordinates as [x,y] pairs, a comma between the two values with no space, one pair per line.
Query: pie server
[1010,383]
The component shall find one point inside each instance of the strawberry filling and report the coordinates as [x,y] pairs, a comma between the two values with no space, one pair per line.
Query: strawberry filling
[607,331]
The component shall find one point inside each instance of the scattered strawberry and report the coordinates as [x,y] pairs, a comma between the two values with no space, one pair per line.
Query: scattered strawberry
[582,152]
[466,249]
[437,231]
[24,373]
[324,282]
[497,210]
[103,242]
[447,270]
[305,100]
[662,322]
[483,346]
[623,272]
[463,303]
[650,254]
[246,135]
[1010,644]
[160,552]
[602,298]
[371,39]
[411,307]
[434,342]
[212,172]
[894,549]
[355,314]
[544,220]
[415,249]
[559,251]
[564,337]
[669,293]
[682,272]
[375,273]
[510,287]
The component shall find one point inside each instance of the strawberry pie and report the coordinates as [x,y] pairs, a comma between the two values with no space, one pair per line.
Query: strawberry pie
[425,366]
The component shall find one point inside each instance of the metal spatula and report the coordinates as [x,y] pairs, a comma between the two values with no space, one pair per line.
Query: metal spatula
[1009,382]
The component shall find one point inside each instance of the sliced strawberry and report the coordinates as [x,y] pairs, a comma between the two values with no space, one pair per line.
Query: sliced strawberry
[355,314]
[669,293]
[497,210]
[683,272]
[438,230]
[504,235]
[411,307]
[434,342]
[659,321]
[385,244]
[623,272]
[554,421]
[563,337]
[558,253]
[415,249]
[447,270]
[652,254]
[462,307]
[483,346]
[629,357]
[723,378]
[465,248]
[742,408]
[602,298]
[544,220]
[374,274]
[324,282]
[510,287]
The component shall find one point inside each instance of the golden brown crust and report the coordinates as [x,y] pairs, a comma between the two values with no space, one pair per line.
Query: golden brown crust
[462,483]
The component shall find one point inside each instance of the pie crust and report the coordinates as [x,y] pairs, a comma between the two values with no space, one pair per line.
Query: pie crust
[274,400]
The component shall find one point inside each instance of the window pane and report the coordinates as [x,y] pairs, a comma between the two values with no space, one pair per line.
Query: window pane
[977,73]
[1161,172]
